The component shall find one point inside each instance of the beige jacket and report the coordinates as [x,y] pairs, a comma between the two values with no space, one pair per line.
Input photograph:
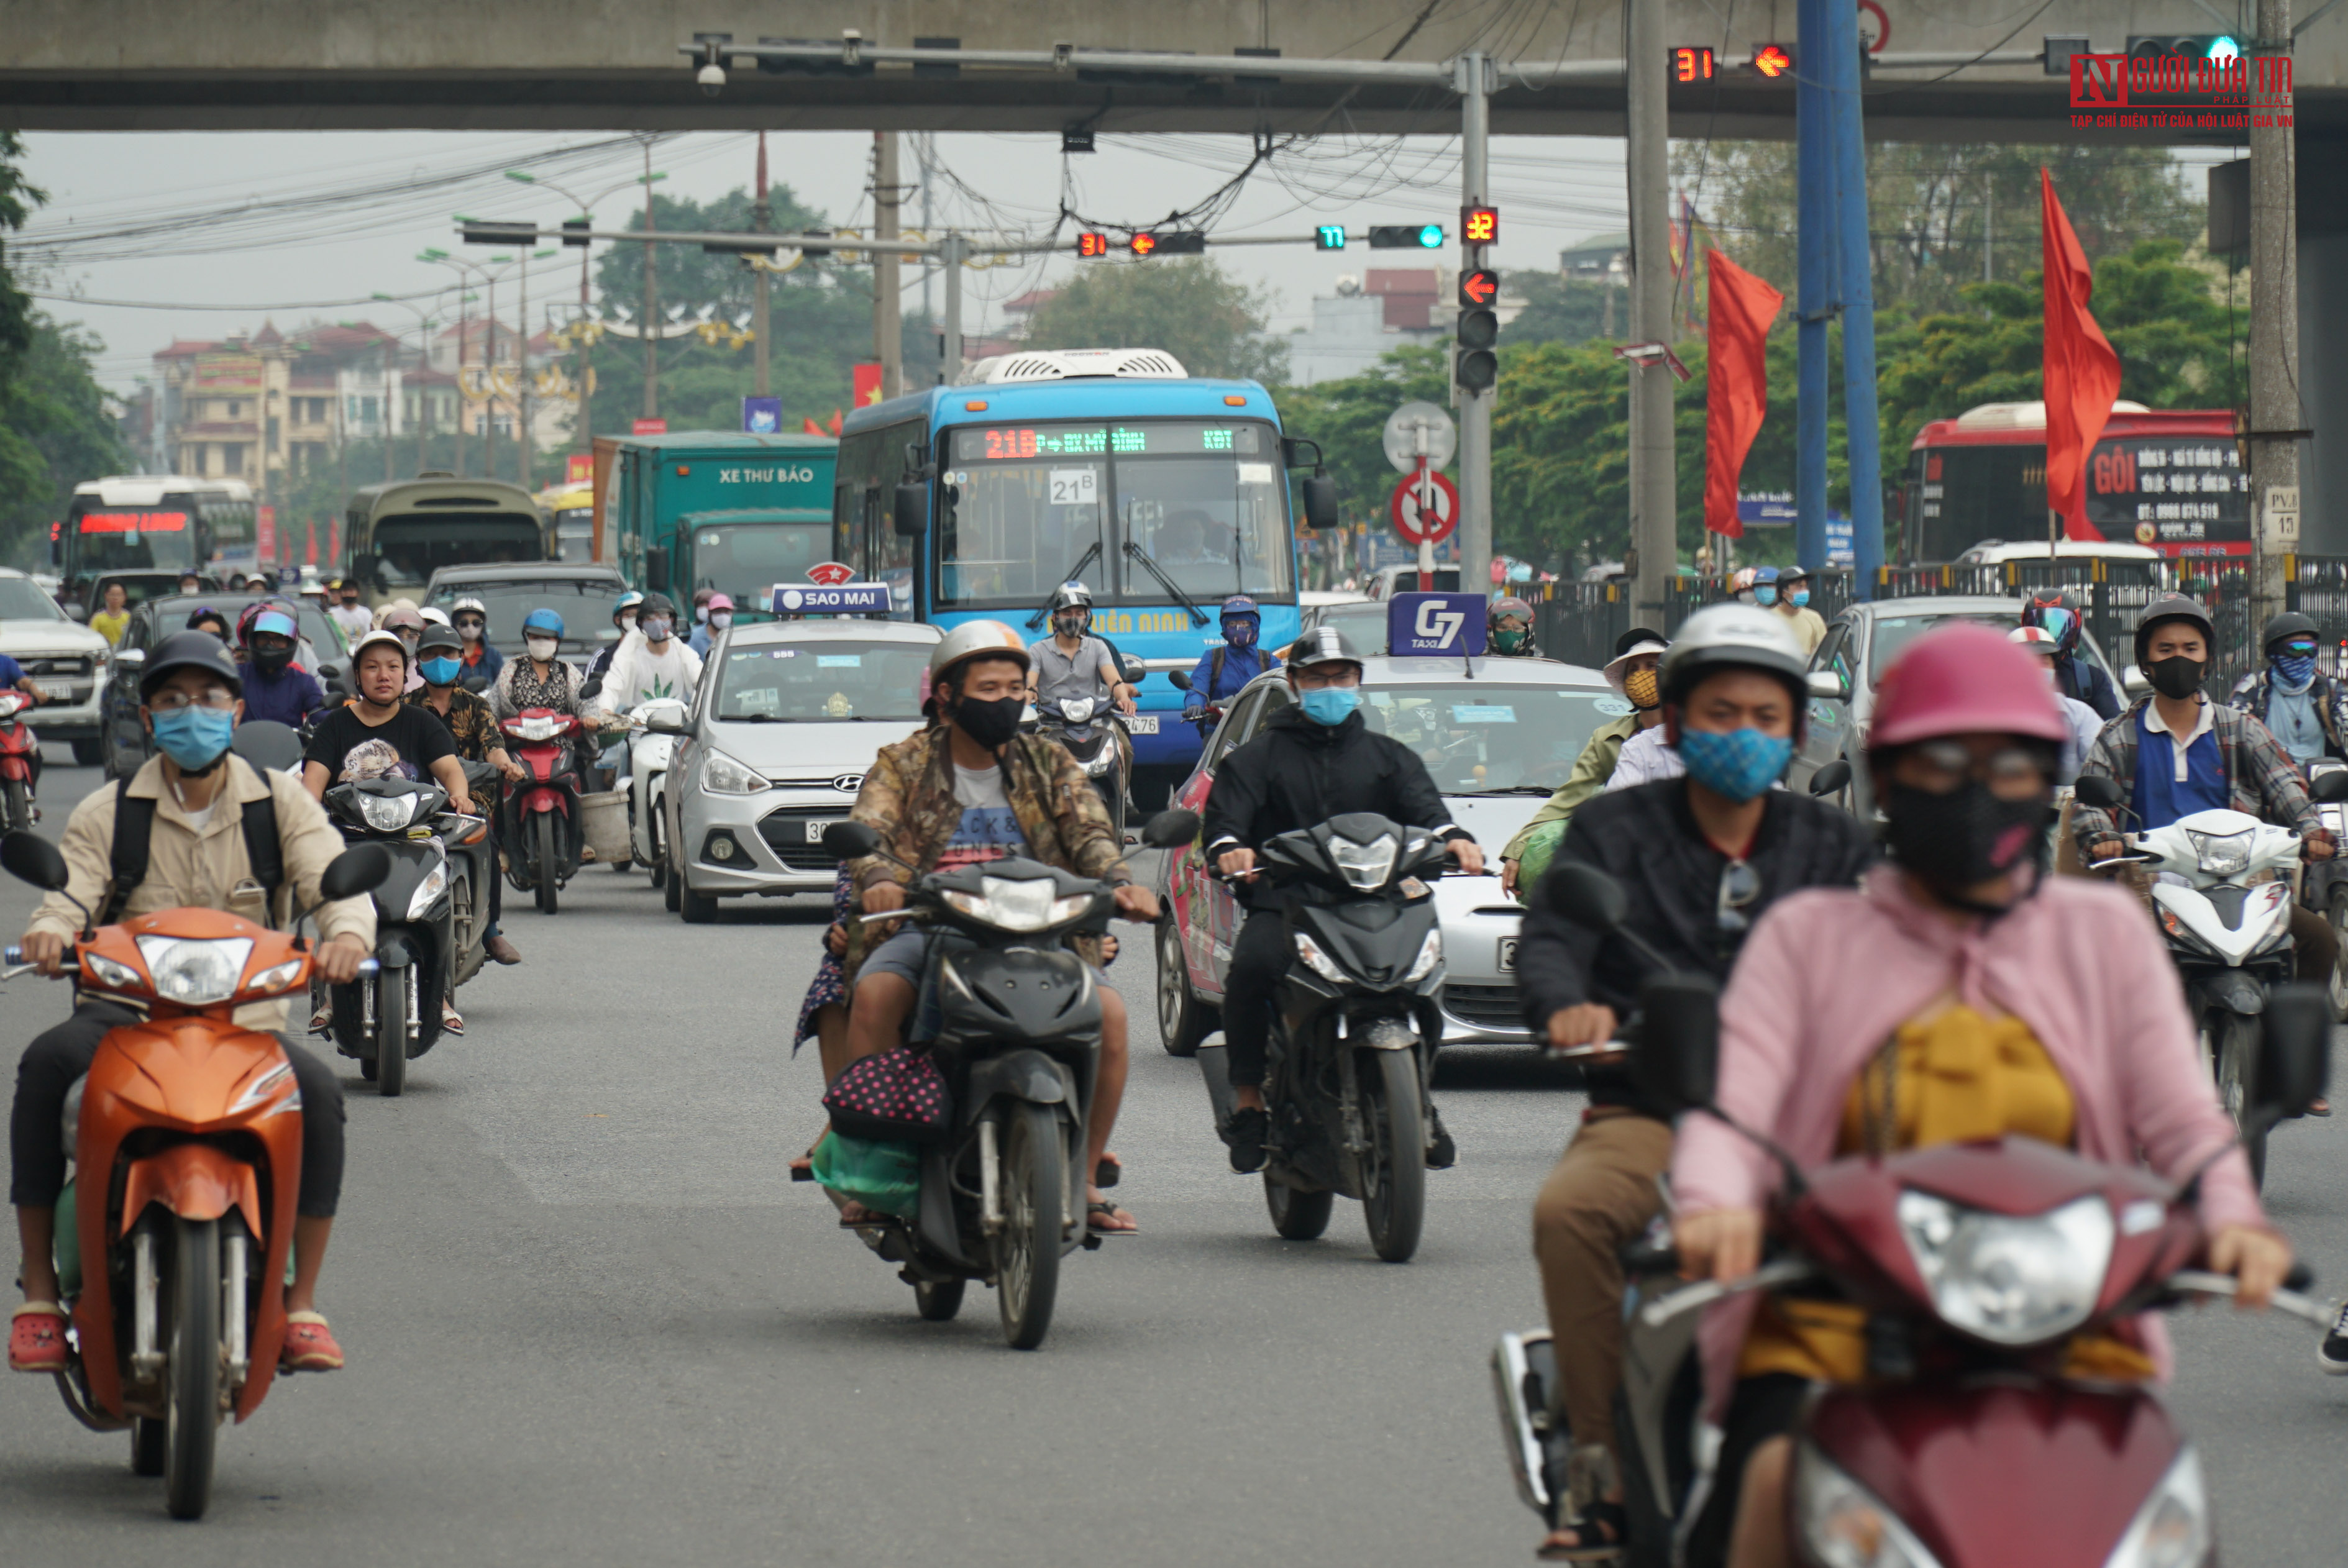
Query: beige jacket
[208,869]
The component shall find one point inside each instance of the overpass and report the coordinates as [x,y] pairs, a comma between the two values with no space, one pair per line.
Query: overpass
[614,65]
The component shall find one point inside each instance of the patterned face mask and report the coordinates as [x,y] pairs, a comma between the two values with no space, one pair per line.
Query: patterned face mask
[1644,687]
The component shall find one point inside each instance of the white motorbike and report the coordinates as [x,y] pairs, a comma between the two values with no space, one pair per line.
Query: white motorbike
[649,752]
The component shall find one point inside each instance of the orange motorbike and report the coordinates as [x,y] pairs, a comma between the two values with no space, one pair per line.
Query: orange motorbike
[169,1253]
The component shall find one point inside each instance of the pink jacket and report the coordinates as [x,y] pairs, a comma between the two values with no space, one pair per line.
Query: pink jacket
[1830,974]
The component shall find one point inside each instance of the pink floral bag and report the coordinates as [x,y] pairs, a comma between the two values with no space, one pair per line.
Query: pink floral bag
[897,1096]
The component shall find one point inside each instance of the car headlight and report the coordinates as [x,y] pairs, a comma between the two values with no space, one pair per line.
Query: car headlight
[1847,1526]
[388,812]
[1430,953]
[114,976]
[1018,903]
[2009,1280]
[435,882]
[1320,963]
[276,978]
[195,973]
[1365,866]
[2172,1529]
[721,775]
[2223,853]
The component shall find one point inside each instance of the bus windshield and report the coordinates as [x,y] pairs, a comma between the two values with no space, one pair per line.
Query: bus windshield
[134,539]
[821,683]
[1203,501]
[409,549]
[744,560]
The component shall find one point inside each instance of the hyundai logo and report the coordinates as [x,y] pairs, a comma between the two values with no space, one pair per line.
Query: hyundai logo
[848,783]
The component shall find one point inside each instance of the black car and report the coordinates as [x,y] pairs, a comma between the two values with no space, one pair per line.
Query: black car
[123,743]
[582,592]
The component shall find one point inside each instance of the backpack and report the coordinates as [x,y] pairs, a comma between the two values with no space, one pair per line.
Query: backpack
[134,832]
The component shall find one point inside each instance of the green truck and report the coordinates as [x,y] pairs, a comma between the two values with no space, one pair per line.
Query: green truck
[708,508]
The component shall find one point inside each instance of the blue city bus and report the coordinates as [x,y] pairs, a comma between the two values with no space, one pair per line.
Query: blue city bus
[1164,496]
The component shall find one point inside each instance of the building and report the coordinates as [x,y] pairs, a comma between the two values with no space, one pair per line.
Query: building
[1368,316]
[270,407]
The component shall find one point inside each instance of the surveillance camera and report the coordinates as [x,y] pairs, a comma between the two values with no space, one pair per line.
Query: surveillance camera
[712,77]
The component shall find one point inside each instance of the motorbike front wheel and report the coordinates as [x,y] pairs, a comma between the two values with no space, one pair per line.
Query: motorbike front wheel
[19,808]
[1027,1248]
[2236,1064]
[1394,1169]
[192,1395]
[391,1026]
[549,863]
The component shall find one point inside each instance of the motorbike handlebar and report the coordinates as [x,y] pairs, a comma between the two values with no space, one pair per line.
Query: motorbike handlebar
[2200,1281]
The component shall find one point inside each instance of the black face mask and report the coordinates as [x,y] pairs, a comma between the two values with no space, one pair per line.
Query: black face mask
[1966,836]
[2178,678]
[272,659]
[991,724]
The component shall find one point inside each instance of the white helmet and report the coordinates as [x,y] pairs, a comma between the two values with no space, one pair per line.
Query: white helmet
[1745,636]
[969,639]
[434,615]
[475,606]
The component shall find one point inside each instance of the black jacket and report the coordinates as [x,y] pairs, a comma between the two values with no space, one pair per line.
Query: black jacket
[1298,773]
[2083,681]
[1647,839]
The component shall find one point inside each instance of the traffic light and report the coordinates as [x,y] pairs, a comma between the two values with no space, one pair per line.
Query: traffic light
[1479,225]
[577,240]
[1329,237]
[476,232]
[1774,60]
[1092,244]
[2184,46]
[1691,63]
[1474,364]
[1177,242]
[1143,244]
[1478,286]
[2185,70]
[1406,237]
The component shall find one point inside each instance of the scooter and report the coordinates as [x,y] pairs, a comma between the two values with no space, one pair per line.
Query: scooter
[541,825]
[1976,1264]
[1353,1032]
[20,764]
[170,1260]
[393,1017]
[1088,729]
[649,751]
[1002,1194]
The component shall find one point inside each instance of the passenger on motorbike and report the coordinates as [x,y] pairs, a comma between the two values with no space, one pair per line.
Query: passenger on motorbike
[2058,610]
[2085,725]
[197,855]
[975,789]
[482,663]
[1996,1000]
[1634,672]
[2307,712]
[1311,761]
[275,689]
[1221,673]
[473,725]
[623,622]
[1700,857]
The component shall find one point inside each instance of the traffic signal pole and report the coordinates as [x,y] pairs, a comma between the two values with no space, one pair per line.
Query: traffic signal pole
[1814,199]
[1475,87]
[1655,524]
[1863,435]
[2275,409]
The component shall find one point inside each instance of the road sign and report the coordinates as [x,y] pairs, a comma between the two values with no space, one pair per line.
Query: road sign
[1417,521]
[1479,225]
[1425,624]
[1404,429]
[644,427]
[1773,60]
[1478,286]
[830,574]
[762,415]
[848,598]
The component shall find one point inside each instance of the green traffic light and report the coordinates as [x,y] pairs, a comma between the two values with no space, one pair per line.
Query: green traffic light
[1430,237]
[2223,47]
[1330,237]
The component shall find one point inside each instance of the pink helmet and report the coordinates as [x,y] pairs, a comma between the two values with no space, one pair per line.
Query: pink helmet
[1965,678]
[721,601]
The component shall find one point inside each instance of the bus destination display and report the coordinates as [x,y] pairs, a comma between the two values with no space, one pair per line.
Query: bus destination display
[1011,444]
[132,522]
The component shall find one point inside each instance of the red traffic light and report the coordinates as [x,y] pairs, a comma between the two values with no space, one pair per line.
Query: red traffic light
[1092,244]
[1478,286]
[1479,225]
[1692,63]
[1773,60]
[1143,244]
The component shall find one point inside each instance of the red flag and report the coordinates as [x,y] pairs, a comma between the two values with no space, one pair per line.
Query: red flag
[1736,384]
[865,383]
[2081,374]
[834,422]
[812,427]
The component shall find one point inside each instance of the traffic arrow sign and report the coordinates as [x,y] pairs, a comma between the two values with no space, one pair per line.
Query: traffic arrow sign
[1772,60]
[1429,520]
[1478,286]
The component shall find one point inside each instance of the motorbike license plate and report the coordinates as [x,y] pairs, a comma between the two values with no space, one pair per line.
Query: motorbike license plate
[54,688]
[816,831]
[1507,955]
[1141,725]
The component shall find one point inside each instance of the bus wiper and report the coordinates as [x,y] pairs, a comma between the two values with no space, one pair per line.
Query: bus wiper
[1197,617]
[1092,553]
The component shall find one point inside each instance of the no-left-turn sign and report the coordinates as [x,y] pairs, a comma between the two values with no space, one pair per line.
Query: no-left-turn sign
[1417,522]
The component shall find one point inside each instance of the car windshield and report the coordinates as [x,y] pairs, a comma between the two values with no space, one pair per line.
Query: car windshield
[821,683]
[1893,633]
[584,602]
[745,560]
[21,599]
[1491,739]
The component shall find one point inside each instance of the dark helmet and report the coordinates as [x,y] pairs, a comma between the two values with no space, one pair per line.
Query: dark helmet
[1071,595]
[439,639]
[1321,645]
[2289,624]
[654,604]
[2057,611]
[189,650]
[2172,607]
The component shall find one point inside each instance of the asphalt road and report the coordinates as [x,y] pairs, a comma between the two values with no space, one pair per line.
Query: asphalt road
[591,1321]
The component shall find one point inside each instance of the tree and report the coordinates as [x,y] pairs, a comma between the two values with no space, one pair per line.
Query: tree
[1563,310]
[1190,307]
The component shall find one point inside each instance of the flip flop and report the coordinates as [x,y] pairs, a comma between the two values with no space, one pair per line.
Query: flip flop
[1103,1207]
[803,1168]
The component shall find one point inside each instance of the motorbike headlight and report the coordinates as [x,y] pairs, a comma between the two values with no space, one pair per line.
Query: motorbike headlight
[388,812]
[721,775]
[1365,866]
[2172,1529]
[1319,962]
[1847,1526]
[2009,1280]
[1430,953]
[276,978]
[195,973]
[1076,709]
[435,882]
[539,728]
[2223,853]
[114,976]
[1018,903]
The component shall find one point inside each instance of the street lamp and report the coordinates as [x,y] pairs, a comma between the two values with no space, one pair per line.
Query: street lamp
[649,178]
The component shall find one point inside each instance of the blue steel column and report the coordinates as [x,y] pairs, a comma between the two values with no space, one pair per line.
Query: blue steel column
[1857,291]
[1814,299]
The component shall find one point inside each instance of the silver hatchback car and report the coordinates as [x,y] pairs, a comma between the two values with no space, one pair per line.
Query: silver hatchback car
[787,719]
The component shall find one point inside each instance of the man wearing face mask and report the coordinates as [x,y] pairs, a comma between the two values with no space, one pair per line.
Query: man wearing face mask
[473,726]
[1311,761]
[654,663]
[482,663]
[1634,672]
[273,687]
[2307,712]
[1808,627]
[1699,856]
[623,622]
[1223,673]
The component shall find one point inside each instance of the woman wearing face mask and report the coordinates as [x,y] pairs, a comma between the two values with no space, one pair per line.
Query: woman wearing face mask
[1959,993]
[274,688]
[1634,674]
[537,679]
[473,726]
[715,618]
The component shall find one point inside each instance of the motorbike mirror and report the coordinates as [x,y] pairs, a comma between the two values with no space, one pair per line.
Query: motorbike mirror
[358,869]
[1178,678]
[1587,896]
[1835,775]
[2135,682]
[1676,1062]
[665,724]
[1168,828]
[594,688]
[851,840]
[2294,1049]
[30,857]
[2095,790]
[2331,786]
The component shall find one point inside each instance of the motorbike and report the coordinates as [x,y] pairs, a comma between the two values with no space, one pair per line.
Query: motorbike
[1976,1264]
[2223,898]
[1205,720]
[20,760]
[1354,1032]
[650,747]
[540,821]
[392,1017]
[1086,728]
[2323,885]
[1002,1194]
[169,1262]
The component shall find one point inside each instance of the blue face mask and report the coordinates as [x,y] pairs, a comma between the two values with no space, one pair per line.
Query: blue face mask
[1239,632]
[1737,764]
[441,670]
[1799,598]
[2294,671]
[1765,593]
[194,737]
[1331,705]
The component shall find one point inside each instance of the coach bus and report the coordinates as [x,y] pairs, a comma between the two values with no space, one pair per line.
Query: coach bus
[2170,479]
[396,534]
[144,530]
[1163,493]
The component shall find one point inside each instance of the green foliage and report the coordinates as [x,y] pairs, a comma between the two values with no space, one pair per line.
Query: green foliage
[1345,419]
[1190,307]
[18,199]
[1564,310]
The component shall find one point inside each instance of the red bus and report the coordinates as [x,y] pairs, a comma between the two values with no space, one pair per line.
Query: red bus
[2170,479]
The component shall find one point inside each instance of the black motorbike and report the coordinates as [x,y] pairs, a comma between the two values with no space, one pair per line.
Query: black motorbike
[1353,1032]
[1086,728]
[1018,1042]
[393,1016]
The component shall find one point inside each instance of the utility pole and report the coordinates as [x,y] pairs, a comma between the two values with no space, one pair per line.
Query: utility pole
[951,252]
[923,145]
[1474,89]
[1815,289]
[652,301]
[1863,435]
[762,219]
[522,373]
[1654,523]
[464,340]
[2274,313]
[887,326]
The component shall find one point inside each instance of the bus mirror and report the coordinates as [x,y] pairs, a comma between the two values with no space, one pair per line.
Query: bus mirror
[656,569]
[911,509]
[1320,502]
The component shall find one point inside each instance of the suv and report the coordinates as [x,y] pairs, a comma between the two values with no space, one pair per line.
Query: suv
[582,592]
[66,661]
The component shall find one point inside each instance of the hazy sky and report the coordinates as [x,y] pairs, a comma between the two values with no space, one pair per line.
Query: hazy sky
[188,187]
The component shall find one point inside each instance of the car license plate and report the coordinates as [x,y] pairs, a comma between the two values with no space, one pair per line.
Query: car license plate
[816,831]
[1507,955]
[54,688]
[1141,725]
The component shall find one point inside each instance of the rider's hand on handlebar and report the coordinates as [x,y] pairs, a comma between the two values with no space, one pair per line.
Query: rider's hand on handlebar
[1470,855]
[1590,1023]
[1239,863]
[461,803]
[2105,850]
[1722,1244]
[339,959]
[883,897]
[2318,845]
[1136,902]
[47,950]
[2258,1259]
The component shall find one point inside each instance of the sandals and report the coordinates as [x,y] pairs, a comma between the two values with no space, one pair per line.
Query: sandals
[36,1338]
[309,1345]
[451,1020]
[1606,1522]
[803,1168]
[1102,1209]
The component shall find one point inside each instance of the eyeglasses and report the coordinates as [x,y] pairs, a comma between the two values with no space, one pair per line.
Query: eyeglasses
[468,621]
[219,701]
[1739,885]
